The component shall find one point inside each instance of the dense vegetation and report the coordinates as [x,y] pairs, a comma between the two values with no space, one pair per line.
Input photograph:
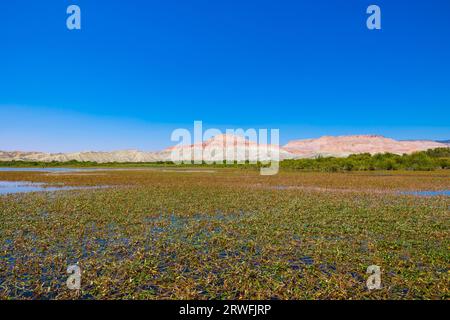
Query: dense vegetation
[425,161]
[432,159]
[226,234]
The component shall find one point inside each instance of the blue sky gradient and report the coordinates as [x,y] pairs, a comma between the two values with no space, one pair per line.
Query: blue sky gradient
[139,69]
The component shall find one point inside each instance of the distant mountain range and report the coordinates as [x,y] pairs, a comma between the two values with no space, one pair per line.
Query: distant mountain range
[216,148]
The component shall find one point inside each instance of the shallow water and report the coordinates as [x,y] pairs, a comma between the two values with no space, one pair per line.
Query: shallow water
[48,169]
[10,187]
[427,193]
[419,193]
[70,170]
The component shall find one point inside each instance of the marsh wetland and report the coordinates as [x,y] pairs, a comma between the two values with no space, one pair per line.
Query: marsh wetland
[225,234]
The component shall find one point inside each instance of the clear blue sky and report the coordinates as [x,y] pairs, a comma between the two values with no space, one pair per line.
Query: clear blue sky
[139,69]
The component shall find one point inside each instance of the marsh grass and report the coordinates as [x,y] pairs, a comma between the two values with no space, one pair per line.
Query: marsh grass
[175,235]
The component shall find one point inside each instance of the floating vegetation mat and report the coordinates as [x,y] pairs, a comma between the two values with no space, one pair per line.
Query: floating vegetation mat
[197,235]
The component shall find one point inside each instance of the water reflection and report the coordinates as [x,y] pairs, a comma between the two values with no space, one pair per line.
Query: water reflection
[10,187]
[427,193]
[49,169]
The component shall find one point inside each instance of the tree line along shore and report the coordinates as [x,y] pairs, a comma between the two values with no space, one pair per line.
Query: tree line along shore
[432,159]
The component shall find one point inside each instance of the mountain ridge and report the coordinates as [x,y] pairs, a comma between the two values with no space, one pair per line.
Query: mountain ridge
[215,149]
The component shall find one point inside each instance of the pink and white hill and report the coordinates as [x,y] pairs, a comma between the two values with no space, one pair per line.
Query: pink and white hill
[342,146]
[228,147]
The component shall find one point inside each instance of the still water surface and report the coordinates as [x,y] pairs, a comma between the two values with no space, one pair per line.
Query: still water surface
[10,187]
